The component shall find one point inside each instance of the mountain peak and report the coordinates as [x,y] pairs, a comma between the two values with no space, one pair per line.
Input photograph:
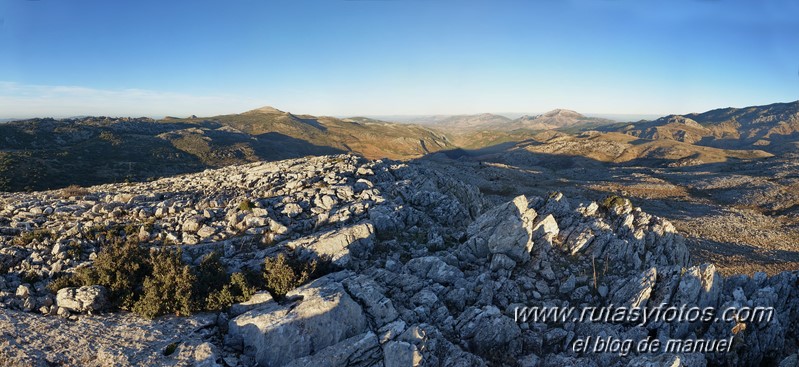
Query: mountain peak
[562,112]
[266,109]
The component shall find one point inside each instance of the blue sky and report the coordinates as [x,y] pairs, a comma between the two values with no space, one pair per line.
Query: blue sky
[155,58]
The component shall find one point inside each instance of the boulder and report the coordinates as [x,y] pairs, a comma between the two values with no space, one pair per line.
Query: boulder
[372,297]
[321,315]
[83,299]
[338,245]
[634,292]
[358,351]
[487,331]
[259,299]
[192,224]
[507,229]
[401,354]
[292,210]
[435,269]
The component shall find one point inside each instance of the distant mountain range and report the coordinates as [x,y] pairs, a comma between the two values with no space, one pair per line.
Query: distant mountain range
[674,141]
[38,154]
[773,128]
[555,119]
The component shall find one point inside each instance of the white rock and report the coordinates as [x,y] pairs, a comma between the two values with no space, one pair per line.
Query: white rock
[86,298]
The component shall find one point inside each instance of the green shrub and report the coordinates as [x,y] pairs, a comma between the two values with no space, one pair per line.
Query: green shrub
[279,276]
[64,281]
[237,290]
[38,235]
[284,273]
[168,289]
[121,267]
[74,191]
[246,205]
[211,275]
[74,250]
[159,282]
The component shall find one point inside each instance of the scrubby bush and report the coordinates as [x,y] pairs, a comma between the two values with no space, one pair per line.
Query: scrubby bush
[246,205]
[279,276]
[214,289]
[153,283]
[211,275]
[168,289]
[38,235]
[74,191]
[121,267]
[63,281]
[612,202]
[284,273]
[239,289]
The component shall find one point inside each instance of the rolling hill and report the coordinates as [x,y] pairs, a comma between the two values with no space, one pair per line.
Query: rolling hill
[773,128]
[39,154]
[555,119]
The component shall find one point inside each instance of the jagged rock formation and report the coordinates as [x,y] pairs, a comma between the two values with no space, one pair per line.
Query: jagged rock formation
[431,274]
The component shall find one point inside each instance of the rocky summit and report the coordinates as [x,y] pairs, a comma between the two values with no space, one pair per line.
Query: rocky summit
[422,271]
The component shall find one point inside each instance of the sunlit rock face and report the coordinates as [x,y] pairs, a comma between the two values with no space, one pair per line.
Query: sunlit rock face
[425,272]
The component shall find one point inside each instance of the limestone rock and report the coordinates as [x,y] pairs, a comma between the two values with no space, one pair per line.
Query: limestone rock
[634,292]
[337,246]
[507,229]
[323,315]
[83,299]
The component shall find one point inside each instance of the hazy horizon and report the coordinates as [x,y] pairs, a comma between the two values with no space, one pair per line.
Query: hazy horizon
[398,118]
[379,58]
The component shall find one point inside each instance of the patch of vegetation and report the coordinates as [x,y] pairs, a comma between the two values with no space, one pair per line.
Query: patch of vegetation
[38,235]
[74,250]
[211,274]
[170,349]
[158,282]
[284,273]
[168,289]
[121,267]
[613,201]
[238,289]
[5,170]
[30,277]
[73,191]
[64,281]
[246,205]
[215,290]
[110,137]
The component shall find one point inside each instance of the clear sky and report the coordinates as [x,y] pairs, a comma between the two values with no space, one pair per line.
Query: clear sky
[136,58]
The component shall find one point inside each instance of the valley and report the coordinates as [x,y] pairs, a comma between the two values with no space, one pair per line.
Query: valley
[425,237]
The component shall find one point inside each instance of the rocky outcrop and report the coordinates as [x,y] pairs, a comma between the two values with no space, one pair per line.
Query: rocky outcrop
[336,245]
[428,273]
[505,230]
[323,315]
[83,299]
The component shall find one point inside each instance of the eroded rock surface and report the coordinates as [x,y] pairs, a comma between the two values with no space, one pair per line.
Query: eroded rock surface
[430,274]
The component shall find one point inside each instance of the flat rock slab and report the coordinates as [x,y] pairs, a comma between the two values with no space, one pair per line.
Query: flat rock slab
[323,314]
